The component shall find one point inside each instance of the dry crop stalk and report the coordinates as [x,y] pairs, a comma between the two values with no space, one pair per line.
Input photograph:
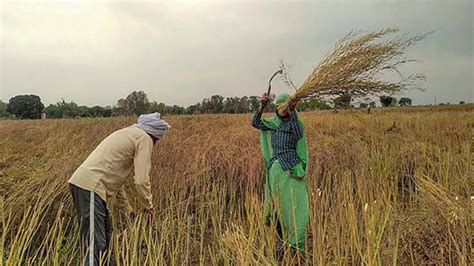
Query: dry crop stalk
[354,65]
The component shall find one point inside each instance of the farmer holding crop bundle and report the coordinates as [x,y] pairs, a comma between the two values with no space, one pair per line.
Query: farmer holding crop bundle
[103,174]
[285,155]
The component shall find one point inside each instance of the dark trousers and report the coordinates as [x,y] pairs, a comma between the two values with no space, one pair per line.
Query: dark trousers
[93,216]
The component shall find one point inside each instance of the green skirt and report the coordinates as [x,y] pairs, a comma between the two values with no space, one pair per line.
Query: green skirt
[286,197]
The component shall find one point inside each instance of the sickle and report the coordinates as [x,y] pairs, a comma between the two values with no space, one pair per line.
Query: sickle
[270,81]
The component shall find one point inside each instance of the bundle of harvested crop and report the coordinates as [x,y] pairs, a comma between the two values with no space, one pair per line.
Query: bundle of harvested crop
[356,64]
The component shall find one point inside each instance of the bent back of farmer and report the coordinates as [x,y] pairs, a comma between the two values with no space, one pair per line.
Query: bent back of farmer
[285,154]
[102,176]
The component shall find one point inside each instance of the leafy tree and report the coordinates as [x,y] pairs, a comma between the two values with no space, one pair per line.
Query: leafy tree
[71,109]
[205,106]
[404,101]
[387,101]
[157,107]
[99,111]
[254,102]
[84,111]
[363,105]
[94,111]
[244,106]
[216,104]
[213,105]
[462,102]
[343,101]
[232,105]
[372,104]
[108,111]
[193,109]
[68,109]
[53,111]
[3,109]
[176,110]
[120,108]
[136,103]
[25,106]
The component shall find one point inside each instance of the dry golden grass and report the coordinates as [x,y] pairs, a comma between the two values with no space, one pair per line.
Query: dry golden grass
[378,196]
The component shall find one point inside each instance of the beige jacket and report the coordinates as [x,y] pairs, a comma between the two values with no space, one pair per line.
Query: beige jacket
[107,167]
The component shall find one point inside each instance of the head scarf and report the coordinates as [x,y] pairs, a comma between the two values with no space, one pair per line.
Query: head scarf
[152,124]
[281,99]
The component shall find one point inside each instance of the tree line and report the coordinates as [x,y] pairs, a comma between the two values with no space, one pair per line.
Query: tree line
[137,102]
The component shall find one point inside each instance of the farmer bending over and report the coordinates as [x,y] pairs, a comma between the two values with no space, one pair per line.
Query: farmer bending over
[285,155]
[103,174]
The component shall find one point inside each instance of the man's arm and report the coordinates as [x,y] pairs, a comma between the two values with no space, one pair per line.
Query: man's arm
[142,165]
[122,201]
[298,129]
[257,118]
[257,122]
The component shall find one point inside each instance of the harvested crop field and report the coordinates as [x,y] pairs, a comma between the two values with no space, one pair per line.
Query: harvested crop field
[392,187]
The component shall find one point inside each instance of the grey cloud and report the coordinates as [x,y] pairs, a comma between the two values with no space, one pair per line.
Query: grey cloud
[180,53]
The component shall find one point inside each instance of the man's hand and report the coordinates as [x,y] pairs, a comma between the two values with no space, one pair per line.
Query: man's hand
[264,100]
[292,101]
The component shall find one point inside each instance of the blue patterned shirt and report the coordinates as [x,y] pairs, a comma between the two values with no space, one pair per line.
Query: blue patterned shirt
[284,139]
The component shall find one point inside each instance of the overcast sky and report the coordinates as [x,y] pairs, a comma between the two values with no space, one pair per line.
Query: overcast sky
[179,53]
